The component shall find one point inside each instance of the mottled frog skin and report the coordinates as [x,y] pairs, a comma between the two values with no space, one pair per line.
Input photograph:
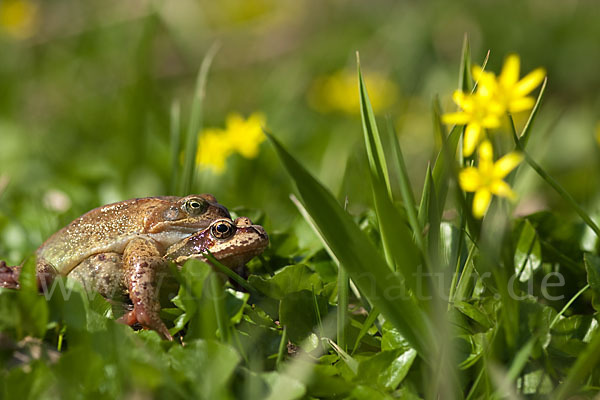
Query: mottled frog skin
[150,224]
[233,243]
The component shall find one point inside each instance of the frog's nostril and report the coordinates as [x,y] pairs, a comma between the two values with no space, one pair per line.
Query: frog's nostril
[242,221]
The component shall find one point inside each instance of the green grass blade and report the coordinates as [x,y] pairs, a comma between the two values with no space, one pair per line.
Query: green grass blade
[216,297]
[229,272]
[342,307]
[444,164]
[350,362]
[528,126]
[373,143]
[465,80]
[405,189]
[175,130]
[371,318]
[425,197]
[554,184]
[364,264]
[189,163]
[397,239]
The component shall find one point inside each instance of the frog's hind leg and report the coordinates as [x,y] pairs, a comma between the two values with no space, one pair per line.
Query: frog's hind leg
[143,267]
[9,276]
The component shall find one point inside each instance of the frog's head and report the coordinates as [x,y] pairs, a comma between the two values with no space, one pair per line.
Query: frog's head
[233,243]
[185,214]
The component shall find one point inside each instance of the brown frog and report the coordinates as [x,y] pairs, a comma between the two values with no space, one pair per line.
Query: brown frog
[233,243]
[139,229]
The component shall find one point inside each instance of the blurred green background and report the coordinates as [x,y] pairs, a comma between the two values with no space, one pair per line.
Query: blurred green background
[86,90]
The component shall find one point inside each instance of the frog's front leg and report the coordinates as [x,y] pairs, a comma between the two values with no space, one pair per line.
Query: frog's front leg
[143,266]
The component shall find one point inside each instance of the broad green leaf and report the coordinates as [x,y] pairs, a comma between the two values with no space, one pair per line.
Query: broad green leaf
[568,334]
[292,278]
[536,382]
[387,368]
[292,389]
[587,361]
[592,267]
[474,313]
[392,339]
[298,314]
[192,280]
[528,257]
[364,264]
[208,364]
[364,392]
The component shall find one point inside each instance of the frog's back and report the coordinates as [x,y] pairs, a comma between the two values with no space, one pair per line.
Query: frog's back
[103,229]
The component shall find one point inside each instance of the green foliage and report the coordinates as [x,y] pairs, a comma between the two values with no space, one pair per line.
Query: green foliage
[383,285]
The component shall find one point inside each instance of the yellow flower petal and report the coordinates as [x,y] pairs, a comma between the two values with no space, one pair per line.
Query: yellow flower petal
[510,71]
[521,104]
[481,202]
[456,118]
[529,82]
[503,166]
[477,72]
[502,189]
[491,121]
[461,100]
[486,152]
[469,179]
[471,138]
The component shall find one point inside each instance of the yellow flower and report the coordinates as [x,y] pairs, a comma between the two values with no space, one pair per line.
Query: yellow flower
[18,18]
[213,150]
[338,92]
[244,136]
[507,89]
[479,110]
[486,179]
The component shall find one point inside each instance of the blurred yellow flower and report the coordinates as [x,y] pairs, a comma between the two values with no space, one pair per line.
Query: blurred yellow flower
[339,92]
[240,135]
[18,18]
[213,150]
[479,111]
[598,133]
[244,136]
[487,178]
[507,89]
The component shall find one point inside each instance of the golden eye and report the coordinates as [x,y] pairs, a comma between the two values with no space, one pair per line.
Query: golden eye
[222,229]
[195,206]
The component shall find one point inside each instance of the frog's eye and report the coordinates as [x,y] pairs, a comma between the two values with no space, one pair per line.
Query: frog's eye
[195,206]
[222,229]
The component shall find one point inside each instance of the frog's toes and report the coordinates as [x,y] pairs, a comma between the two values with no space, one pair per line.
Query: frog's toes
[9,276]
[139,316]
